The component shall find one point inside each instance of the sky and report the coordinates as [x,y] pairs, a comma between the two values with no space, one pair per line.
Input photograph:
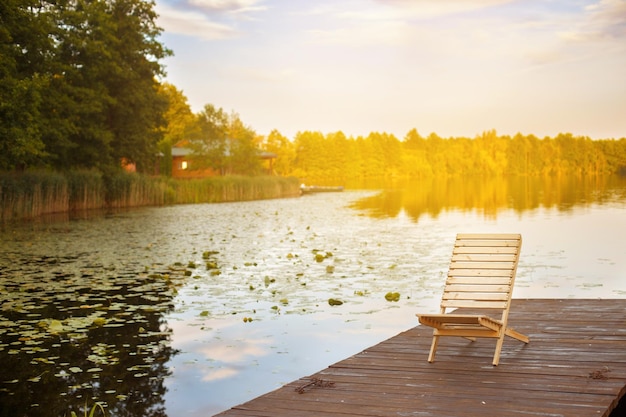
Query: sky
[452,67]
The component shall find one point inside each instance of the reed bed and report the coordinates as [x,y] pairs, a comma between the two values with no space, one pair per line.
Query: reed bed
[233,188]
[32,194]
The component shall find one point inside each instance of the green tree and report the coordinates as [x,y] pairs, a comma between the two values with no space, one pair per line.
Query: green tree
[207,139]
[83,76]
[137,111]
[342,158]
[223,143]
[309,162]
[24,50]
[243,155]
[284,150]
[179,120]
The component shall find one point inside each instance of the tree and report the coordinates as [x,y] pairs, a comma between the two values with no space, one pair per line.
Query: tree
[179,121]
[82,74]
[284,150]
[243,155]
[24,48]
[309,161]
[207,139]
[137,111]
[223,143]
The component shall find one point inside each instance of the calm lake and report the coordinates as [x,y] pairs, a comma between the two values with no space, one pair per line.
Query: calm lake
[189,310]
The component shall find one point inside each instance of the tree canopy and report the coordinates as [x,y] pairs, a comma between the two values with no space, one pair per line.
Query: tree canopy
[313,155]
[79,83]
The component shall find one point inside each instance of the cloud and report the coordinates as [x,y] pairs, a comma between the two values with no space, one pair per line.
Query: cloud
[218,374]
[604,20]
[228,6]
[206,19]
[251,73]
[191,23]
[386,22]
[429,8]
[379,33]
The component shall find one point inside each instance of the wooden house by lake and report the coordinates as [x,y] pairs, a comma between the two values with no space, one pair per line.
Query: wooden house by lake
[183,164]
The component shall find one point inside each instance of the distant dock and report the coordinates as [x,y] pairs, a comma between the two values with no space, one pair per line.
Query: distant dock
[574,365]
[313,189]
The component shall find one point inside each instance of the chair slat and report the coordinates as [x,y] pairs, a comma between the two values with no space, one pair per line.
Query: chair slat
[478,296]
[472,288]
[482,236]
[483,257]
[495,250]
[502,273]
[497,305]
[483,265]
[487,243]
[495,280]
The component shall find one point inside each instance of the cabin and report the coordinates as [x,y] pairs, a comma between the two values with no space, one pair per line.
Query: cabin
[182,165]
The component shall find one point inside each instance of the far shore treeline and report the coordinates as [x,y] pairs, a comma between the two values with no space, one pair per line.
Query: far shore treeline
[81,96]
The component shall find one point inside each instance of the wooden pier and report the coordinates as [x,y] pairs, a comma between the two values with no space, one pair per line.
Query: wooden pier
[574,365]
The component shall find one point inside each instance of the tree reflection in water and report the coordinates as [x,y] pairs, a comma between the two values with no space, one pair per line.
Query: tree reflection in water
[490,195]
[72,339]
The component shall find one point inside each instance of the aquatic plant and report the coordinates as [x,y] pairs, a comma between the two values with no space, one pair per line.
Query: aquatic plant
[392,296]
[91,413]
[34,193]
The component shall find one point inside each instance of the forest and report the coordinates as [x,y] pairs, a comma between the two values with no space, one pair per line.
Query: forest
[81,87]
[381,155]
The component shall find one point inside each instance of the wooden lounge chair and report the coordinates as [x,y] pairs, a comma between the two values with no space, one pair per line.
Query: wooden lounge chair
[481,276]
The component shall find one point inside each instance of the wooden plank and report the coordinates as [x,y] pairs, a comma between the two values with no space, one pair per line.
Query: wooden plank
[574,366]
[479,279]
[473,287]
[482,236]
[477,296]
[487,243]
[499,305]
[495,250]
[483,265]
[484,257]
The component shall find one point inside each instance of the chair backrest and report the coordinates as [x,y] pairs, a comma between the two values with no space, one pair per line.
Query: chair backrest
[482,271]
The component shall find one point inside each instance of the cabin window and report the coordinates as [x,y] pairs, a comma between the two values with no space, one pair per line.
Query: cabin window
[183,165]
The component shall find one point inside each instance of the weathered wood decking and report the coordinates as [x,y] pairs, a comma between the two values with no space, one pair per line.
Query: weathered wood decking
[575,365]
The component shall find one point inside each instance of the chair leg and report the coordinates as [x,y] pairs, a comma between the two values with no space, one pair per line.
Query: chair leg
[496,355]
[433,349]
[516,335]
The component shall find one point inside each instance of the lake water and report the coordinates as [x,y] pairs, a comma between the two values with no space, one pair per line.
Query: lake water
[189,310]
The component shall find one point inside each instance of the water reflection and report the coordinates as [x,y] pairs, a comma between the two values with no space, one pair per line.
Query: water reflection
[124,308]
[490,195]
[73,333]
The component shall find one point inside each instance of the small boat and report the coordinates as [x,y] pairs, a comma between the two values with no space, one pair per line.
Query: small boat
[310,189]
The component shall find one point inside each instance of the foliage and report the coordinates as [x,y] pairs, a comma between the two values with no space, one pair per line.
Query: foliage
[315,156]
[178,119]
[284,150]
[223,143]
[78,83]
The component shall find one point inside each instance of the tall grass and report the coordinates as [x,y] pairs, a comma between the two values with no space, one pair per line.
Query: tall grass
[32,194]
[86,190]
[234,188]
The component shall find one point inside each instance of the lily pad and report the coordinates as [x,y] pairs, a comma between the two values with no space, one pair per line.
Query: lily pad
[392,296]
